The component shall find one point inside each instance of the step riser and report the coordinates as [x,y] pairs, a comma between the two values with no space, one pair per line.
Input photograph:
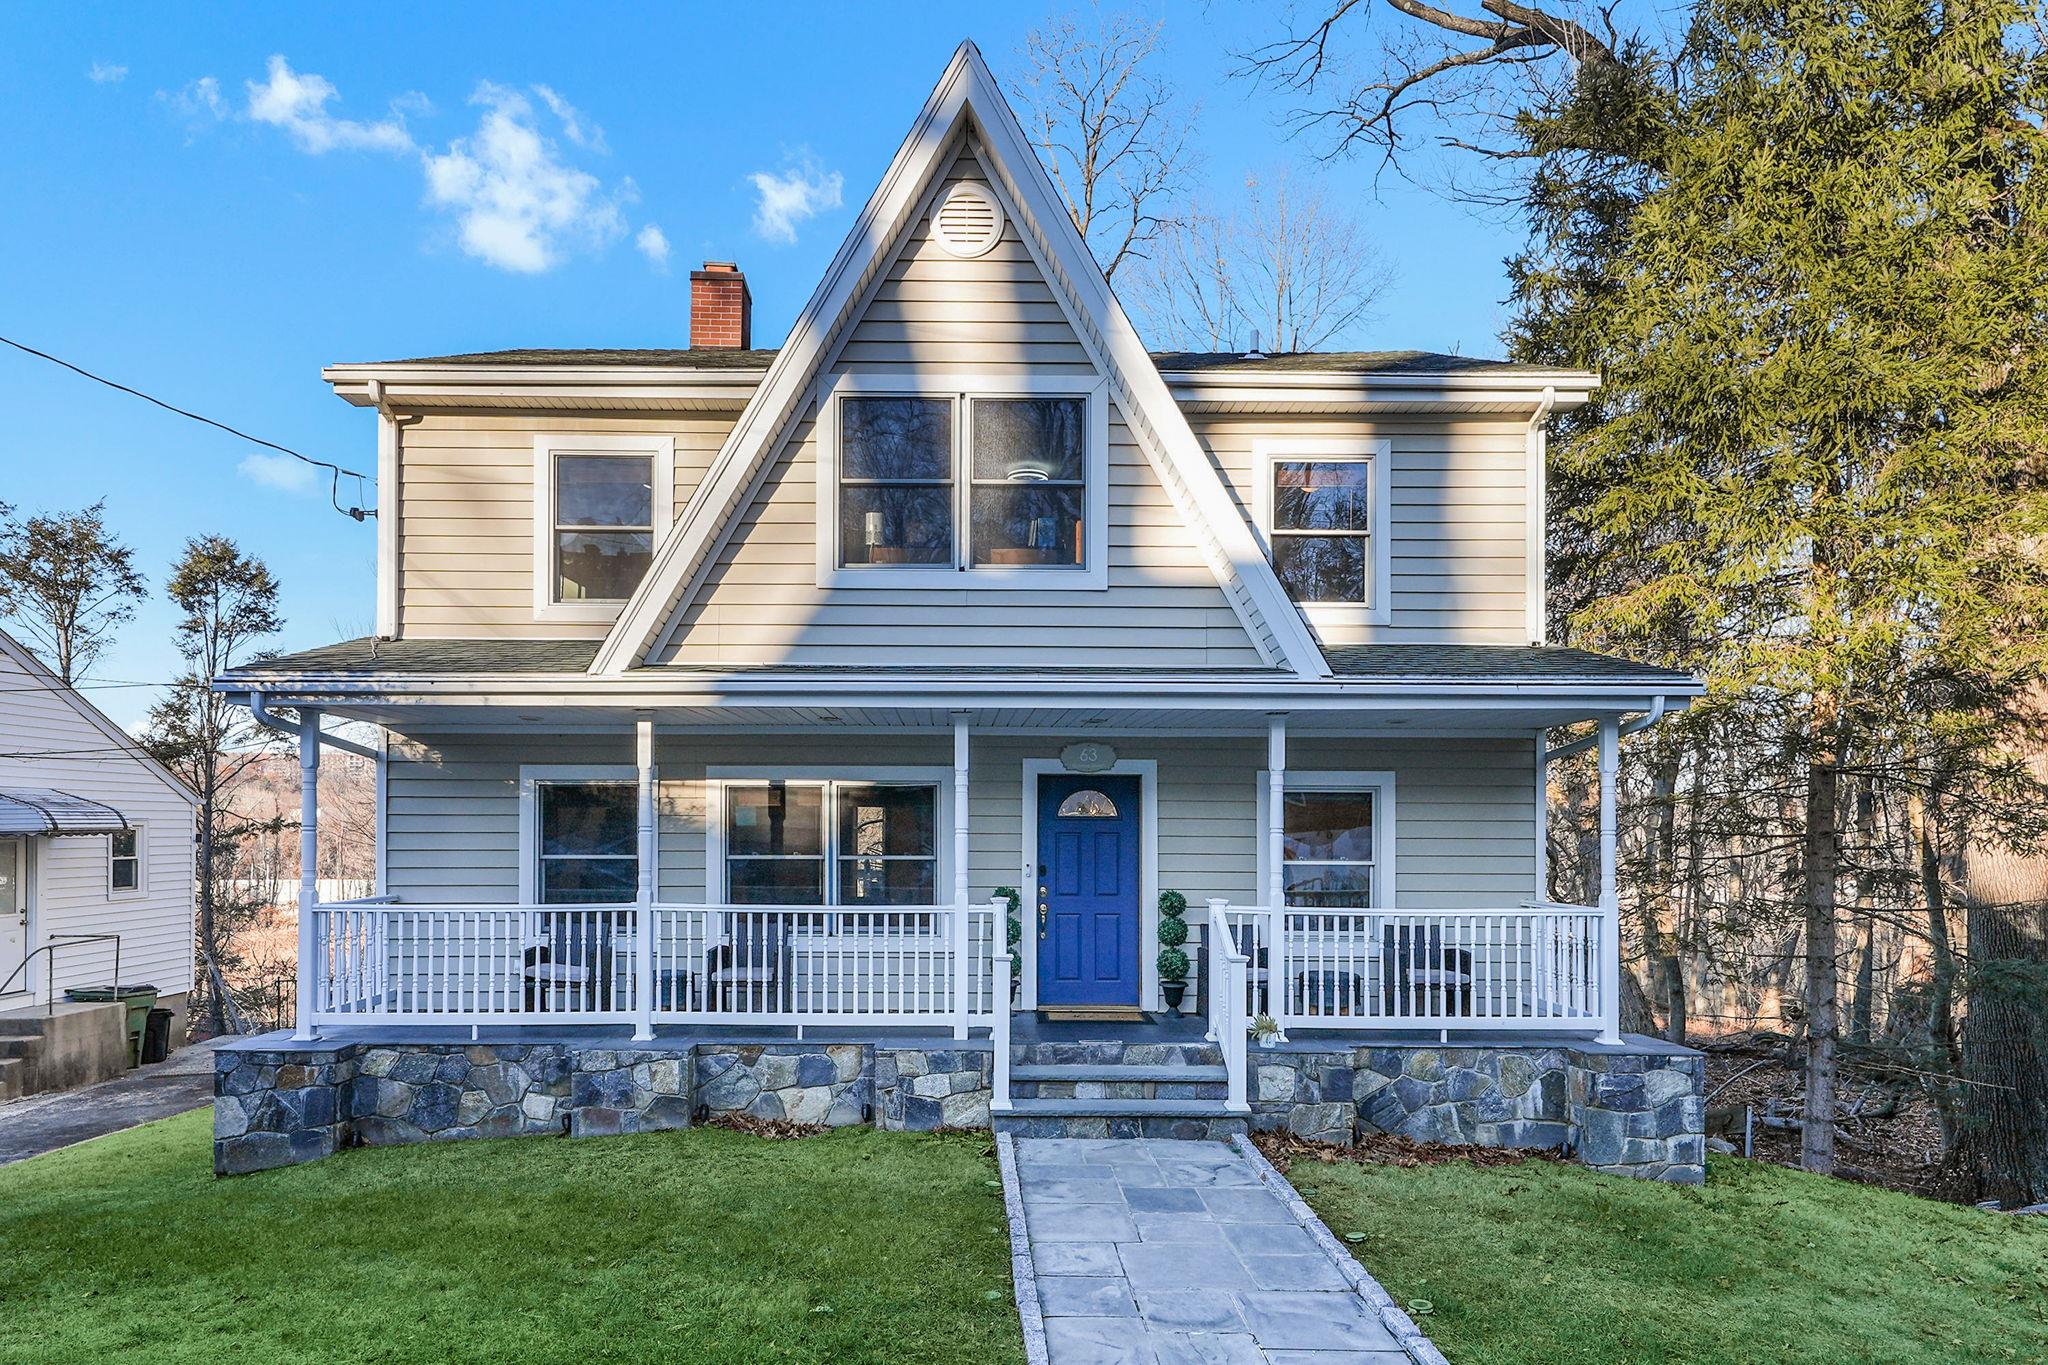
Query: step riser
[1115,1054]
[1083,1126]
[1119,1090]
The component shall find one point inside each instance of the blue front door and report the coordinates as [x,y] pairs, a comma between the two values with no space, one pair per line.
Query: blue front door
[1088,890]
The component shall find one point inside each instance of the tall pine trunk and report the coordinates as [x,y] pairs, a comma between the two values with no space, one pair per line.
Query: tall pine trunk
[1822,858]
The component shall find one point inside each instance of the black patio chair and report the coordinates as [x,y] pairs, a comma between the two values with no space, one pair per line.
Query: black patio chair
[1420,976]
[568,966]
[750,970]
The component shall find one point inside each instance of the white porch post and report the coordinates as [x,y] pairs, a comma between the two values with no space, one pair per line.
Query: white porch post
[643,915]
[1610,900]
[309,871]
[1276,878]
[962,967]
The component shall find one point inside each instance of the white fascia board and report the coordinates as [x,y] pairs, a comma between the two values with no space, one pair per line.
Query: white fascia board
[406,386]
[785,388]
[1151,411]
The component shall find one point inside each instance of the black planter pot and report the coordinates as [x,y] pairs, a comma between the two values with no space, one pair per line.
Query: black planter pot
[1175,992]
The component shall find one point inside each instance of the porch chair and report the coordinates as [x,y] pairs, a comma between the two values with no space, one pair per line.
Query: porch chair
[750,970]
[565,967]
[1419,974]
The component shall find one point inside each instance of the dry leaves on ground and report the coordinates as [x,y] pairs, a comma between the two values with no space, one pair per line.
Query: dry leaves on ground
[1385,1149]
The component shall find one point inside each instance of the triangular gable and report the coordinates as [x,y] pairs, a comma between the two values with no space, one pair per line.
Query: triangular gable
[967,95]
[25,659]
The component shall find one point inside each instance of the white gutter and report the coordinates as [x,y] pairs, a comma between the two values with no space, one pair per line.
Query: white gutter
[263,717]
[1634,727]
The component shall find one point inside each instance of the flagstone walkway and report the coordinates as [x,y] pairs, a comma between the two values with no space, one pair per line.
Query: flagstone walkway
[1157,1252]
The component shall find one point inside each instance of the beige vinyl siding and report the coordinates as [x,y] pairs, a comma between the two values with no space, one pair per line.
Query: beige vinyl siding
[1458,519]
[1465,807]
[466,547]
[68,876]
[935,314]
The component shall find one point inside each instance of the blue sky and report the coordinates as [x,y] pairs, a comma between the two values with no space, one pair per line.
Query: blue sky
[211,204]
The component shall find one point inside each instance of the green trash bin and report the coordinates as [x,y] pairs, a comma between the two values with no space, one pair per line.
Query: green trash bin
[139,999]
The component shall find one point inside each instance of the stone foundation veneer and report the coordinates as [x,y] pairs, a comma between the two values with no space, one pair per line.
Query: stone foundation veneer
[1629,1109]
[284,1103]
[1633,1109]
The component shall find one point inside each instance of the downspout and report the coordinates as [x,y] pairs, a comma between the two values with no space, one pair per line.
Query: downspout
[262,715]
[1641,723]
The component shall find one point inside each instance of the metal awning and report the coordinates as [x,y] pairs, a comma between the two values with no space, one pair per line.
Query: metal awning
[44,810]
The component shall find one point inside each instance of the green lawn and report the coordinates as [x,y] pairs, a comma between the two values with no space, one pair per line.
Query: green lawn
[705,1245]
[1548,1264]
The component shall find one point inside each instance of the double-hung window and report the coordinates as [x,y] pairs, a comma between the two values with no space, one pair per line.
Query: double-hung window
[124,862]
[600,505]
[587,842]
[1336,840]
[986,485]
[854,846]
[1323,511]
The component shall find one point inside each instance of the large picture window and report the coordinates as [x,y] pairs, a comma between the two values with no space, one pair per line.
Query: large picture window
[848,845]
[587,842]
[967,489]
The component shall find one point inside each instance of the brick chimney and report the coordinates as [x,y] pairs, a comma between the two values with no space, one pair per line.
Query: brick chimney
[721,309]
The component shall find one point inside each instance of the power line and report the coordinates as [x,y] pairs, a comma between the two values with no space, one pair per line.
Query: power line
[336,472]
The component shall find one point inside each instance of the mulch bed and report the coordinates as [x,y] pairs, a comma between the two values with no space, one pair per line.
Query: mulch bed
[1385,1149]
[775,1130]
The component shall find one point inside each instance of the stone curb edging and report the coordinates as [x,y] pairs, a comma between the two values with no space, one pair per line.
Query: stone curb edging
[1023,1271]
[1418,1346]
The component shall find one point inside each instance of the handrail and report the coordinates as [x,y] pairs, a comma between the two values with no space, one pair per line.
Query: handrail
[999,1005]
[57,941]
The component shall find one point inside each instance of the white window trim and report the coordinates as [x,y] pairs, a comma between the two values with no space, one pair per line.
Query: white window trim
[1377,454]
[546,449]
[1146,770]
[141,887]
[1384,820]
[1092,575]
[531,776]
[718,778]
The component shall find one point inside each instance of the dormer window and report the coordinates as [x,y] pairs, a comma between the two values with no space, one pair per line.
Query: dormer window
[1322,505]
[987,484]
[601,504]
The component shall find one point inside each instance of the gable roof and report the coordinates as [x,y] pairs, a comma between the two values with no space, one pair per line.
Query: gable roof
[968,99]
[92,715]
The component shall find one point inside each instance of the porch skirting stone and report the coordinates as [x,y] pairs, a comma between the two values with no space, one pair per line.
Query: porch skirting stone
[1629,1109]
[289,1103]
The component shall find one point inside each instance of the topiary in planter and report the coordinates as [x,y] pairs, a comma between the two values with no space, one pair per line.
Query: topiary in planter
[1173,959]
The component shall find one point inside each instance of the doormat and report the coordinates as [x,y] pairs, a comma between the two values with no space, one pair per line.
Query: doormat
[1092,1014]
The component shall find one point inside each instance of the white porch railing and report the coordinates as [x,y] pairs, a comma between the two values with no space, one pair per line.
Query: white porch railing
[384,962]
[1228,970]
[1539,966]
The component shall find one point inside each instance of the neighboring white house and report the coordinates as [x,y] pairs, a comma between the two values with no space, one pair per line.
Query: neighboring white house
[728,687]
[95,839]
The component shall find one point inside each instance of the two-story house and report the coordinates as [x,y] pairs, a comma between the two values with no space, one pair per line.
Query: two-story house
[726,693]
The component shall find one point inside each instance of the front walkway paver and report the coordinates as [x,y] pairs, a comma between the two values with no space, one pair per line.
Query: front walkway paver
[1155,1252]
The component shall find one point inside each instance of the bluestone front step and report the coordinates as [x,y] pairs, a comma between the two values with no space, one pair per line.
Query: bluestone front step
[1106,1082]
[1120,1118]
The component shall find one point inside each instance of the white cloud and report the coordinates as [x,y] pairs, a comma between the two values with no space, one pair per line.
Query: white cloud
[575,126]
[198,103]
[281,472]
[653,244]
[803,190]
[298,104]
[518,205]
[106,73]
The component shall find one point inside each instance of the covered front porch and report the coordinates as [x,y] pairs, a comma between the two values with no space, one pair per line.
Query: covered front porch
[1375,850]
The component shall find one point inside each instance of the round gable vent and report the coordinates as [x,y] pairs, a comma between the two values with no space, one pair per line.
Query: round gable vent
[967,221]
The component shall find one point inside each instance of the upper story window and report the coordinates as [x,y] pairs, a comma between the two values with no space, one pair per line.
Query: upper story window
[985,486]
[1322,506]
[601,503]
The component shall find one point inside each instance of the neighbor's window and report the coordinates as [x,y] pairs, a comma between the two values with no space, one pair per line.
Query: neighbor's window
[846,844]
[124,860]
[1029,480]
[896,481]
[1328,849]
[604,525]
[589,842]
[1321,529]
[909,494]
